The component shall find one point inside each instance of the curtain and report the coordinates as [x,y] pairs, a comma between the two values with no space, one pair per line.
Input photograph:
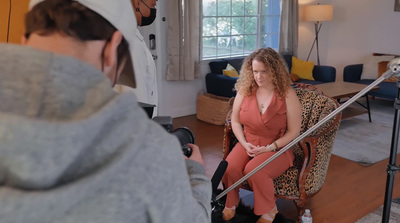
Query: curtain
[288,36]
[183,41]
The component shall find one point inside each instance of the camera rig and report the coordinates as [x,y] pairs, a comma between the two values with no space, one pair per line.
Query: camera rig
[184,134]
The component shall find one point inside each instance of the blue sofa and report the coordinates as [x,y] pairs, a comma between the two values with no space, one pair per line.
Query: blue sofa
[221,85]
[352,73]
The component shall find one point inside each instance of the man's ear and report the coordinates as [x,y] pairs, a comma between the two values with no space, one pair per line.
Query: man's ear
[111,50]
[24,40]
[135,4]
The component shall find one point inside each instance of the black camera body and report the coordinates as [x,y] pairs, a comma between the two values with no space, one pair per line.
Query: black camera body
[184,134]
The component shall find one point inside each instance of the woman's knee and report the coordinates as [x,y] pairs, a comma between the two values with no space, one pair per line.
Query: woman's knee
[272,170]
[233,169]
[261,174]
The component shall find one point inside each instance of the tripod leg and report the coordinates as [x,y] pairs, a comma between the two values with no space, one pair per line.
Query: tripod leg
[391,169]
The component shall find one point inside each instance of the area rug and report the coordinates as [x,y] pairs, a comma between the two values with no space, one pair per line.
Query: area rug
[376,216]
[366,142]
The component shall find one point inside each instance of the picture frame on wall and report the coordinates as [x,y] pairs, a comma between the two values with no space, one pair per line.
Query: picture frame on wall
[397,5]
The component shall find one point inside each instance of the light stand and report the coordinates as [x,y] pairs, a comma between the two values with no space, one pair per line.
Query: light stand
[392,168]
[317,27]
[316,39]
[393,70]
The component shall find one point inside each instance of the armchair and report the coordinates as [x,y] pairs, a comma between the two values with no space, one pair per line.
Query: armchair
[312,154]
[352,73]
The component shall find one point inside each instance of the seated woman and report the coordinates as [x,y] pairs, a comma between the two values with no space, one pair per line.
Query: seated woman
[266,116]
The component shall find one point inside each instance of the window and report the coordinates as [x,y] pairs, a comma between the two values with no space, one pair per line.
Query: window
[237,27]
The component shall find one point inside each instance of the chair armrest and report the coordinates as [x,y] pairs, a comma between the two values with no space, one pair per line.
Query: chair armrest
[229,137]
[227,140]
[352,73]
[217,66]
[309,148]
[324,73]
[221,85]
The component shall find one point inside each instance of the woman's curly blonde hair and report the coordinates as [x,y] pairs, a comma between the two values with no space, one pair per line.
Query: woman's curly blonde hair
[272,60]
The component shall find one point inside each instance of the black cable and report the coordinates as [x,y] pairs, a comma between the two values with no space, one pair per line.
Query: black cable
[9,19]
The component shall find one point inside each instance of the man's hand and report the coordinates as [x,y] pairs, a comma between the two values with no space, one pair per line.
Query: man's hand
[196,155]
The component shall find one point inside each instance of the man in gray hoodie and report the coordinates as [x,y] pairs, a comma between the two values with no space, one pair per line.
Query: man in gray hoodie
[73,150]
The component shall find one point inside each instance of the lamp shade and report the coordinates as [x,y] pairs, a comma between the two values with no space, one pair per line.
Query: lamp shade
[317,13]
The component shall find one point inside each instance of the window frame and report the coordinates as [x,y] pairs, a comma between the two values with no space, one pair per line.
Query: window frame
[259,34]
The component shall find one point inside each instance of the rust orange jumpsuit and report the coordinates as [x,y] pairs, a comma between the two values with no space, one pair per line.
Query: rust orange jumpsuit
[259,129]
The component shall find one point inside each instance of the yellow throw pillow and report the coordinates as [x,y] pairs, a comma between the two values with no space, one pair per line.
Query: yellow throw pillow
[230,71]
[302,68]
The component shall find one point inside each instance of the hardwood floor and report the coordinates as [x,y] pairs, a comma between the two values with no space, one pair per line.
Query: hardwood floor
[350,190]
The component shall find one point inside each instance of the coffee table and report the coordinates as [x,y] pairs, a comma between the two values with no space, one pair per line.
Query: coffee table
[340,90]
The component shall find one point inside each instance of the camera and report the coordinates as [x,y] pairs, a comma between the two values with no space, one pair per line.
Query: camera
[184,134]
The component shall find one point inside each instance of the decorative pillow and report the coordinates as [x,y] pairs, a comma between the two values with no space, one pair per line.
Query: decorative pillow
[382,68]
[230,71]
[370,66]
[294,77]
[302,68]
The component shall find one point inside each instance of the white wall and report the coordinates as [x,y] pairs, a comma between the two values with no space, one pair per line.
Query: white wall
[358,29]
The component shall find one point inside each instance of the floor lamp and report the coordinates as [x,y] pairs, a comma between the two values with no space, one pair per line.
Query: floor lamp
[317,14]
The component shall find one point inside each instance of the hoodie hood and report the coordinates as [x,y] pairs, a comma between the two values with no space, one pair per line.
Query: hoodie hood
[53,132]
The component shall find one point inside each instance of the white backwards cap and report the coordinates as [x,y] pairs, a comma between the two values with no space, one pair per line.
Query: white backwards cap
[115,11]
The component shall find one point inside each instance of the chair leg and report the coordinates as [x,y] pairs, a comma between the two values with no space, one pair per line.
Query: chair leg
[300,204]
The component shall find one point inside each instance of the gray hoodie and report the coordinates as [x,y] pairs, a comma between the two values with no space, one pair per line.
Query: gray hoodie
[73,150]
